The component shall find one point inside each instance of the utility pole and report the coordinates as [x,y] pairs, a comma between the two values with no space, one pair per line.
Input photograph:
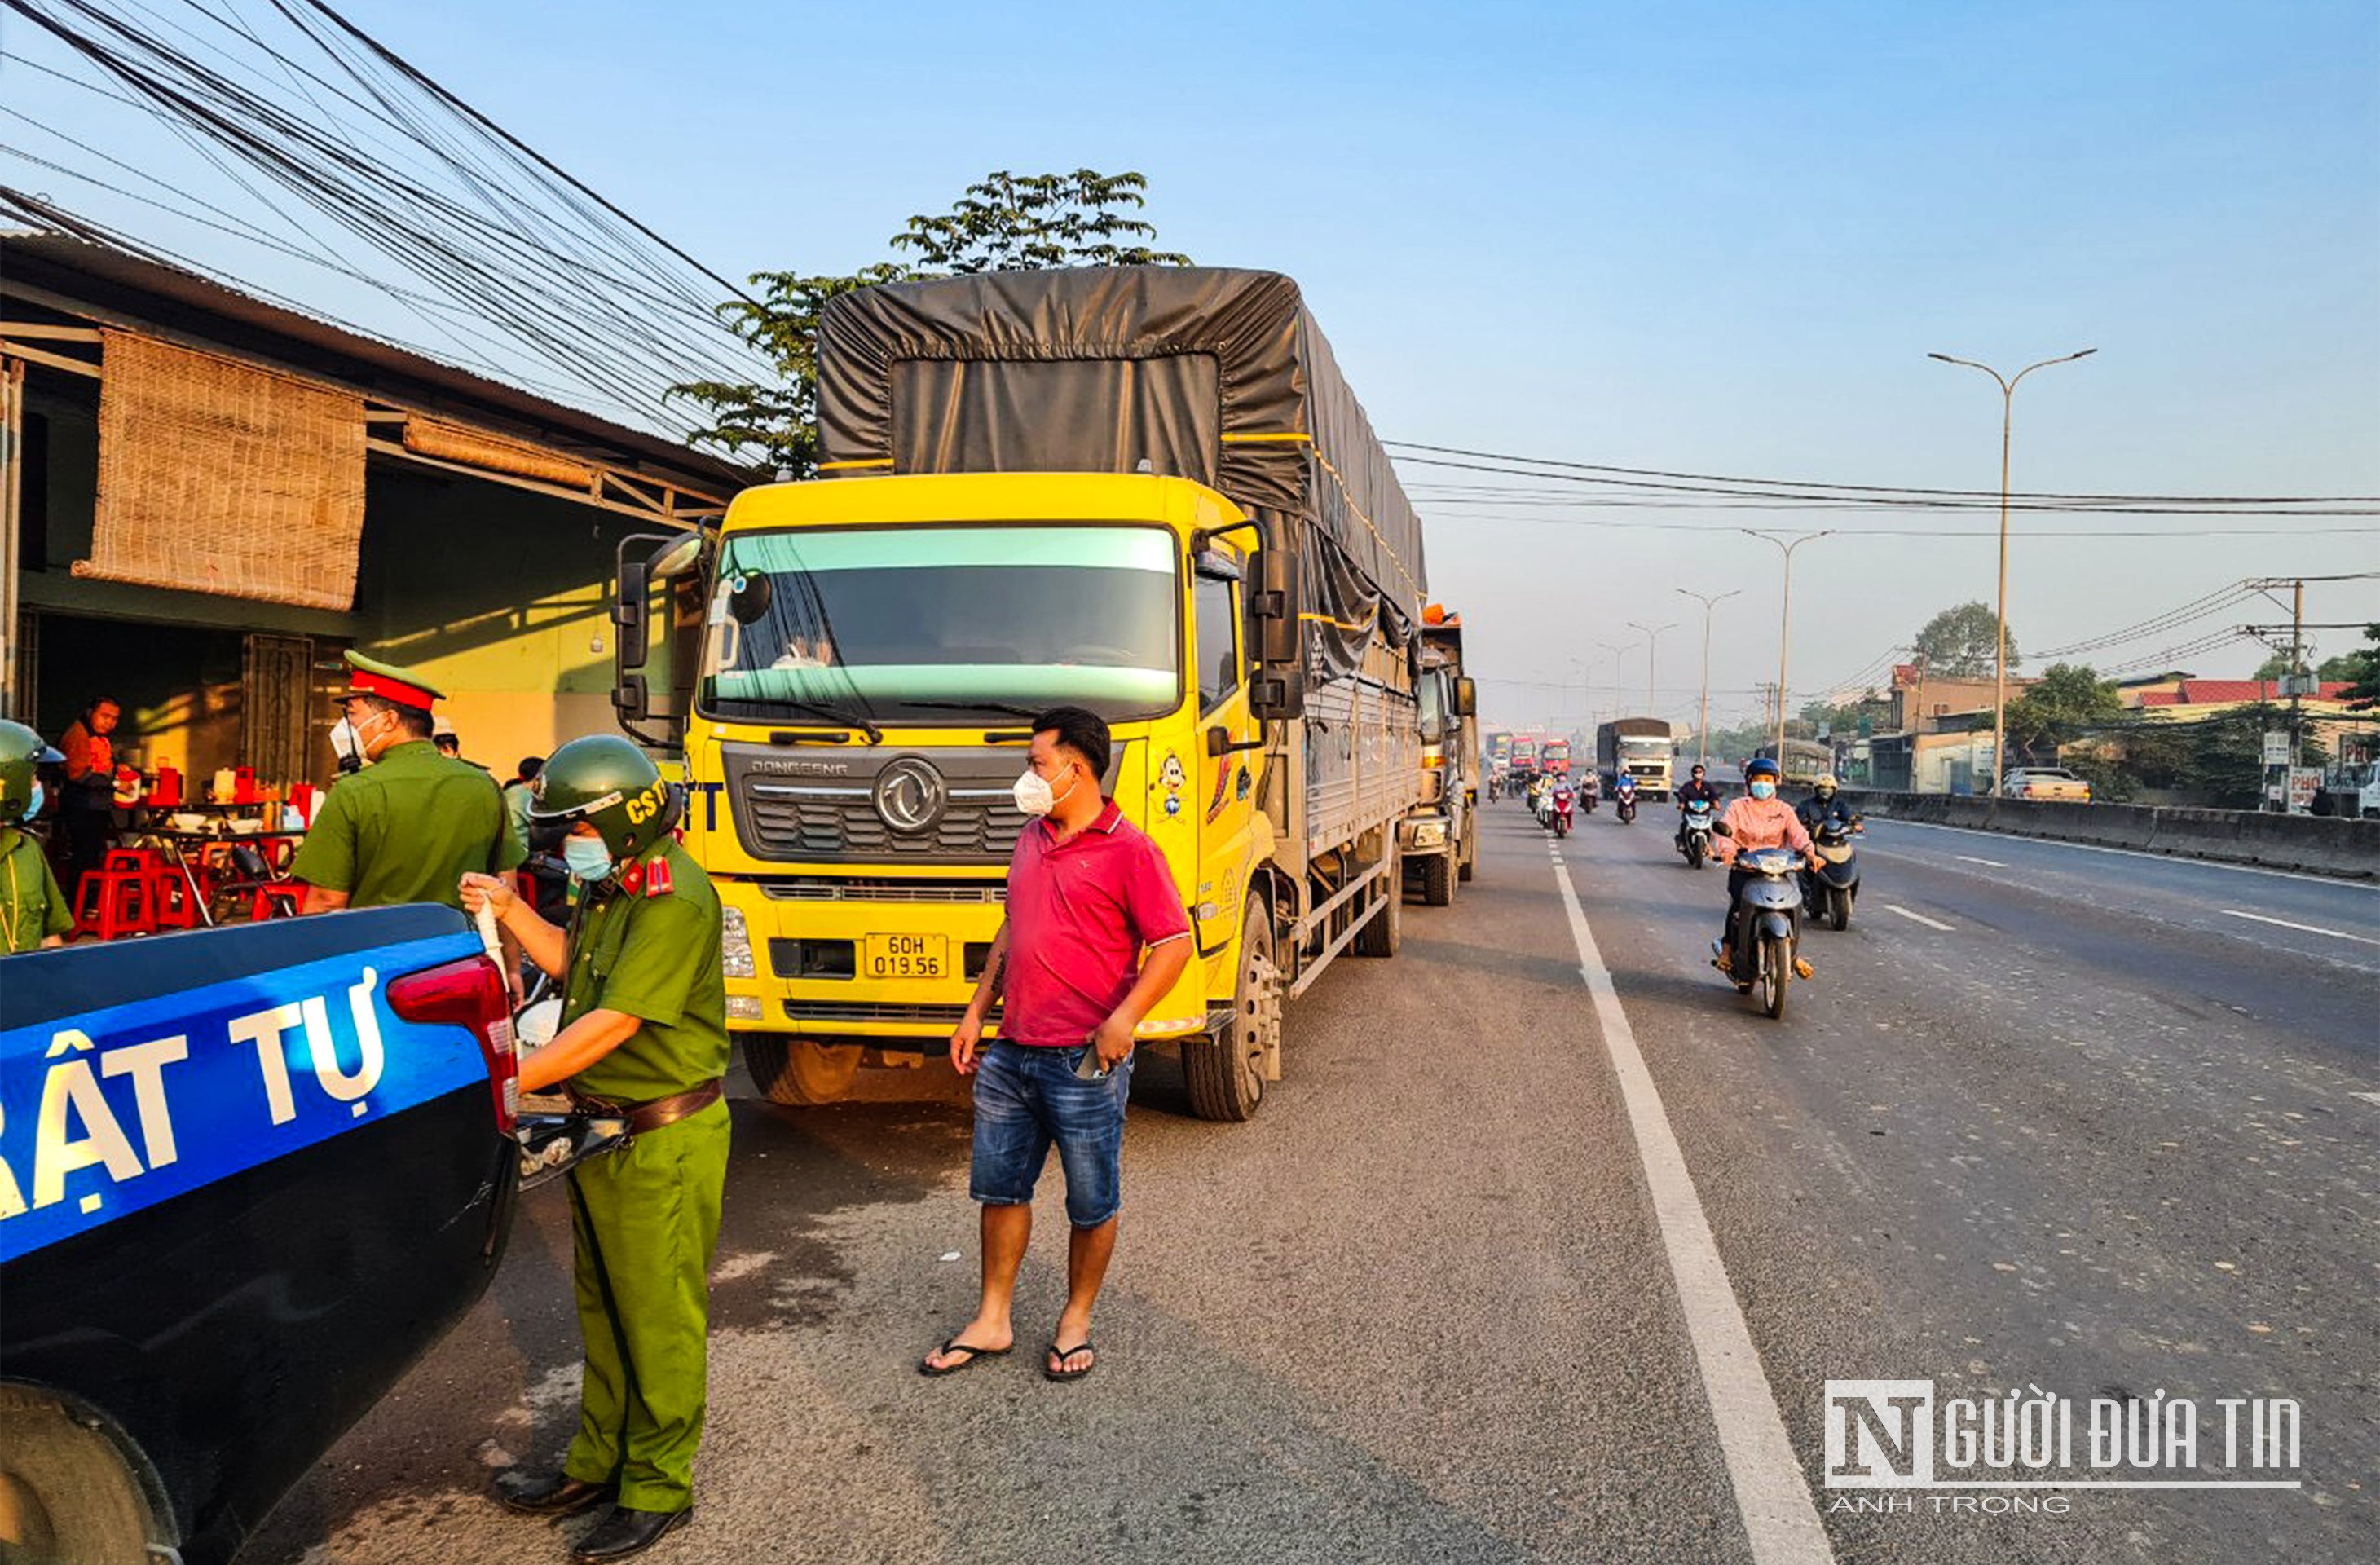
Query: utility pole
[1702,722]
[2000,649]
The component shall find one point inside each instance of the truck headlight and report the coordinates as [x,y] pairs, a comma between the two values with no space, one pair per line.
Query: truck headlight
[743,1008]
[1429,834]
[735,944]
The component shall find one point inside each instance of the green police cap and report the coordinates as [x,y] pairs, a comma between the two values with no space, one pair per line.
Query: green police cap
[370,676]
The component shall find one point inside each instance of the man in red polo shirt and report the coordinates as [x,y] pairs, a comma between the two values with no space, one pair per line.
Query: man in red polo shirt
[1095,935]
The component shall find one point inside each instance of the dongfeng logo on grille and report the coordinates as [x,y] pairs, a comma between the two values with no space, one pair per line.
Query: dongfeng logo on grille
[910,796]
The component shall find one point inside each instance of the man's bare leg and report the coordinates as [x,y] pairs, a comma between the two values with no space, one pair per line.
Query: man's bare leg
[1006,1230]
[1088,1253]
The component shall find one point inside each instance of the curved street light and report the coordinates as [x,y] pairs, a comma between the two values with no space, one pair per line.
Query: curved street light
[1709,601]
[1785,620]
[2007,384]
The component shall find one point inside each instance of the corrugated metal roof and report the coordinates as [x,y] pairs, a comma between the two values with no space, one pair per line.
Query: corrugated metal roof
[136,289]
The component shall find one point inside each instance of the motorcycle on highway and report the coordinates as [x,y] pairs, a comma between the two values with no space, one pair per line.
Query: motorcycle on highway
[1830,879]
[1695,833]
[1766,952]
[1562,808]
[1624,796]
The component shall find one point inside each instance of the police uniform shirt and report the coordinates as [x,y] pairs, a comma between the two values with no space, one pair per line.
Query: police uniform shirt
[405,829]
[32,908]
[646,944]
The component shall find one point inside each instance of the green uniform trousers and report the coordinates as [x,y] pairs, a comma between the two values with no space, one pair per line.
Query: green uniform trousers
[645,1220]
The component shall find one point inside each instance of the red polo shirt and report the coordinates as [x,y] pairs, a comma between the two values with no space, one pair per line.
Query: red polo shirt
[1079,913]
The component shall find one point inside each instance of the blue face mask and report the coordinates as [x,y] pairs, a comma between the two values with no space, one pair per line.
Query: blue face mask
[1764,790]
[586,857]
[33,804]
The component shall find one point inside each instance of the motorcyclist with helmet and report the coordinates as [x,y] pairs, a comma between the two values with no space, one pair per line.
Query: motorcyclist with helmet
[1759,820]
[1696,790]
[1824,804]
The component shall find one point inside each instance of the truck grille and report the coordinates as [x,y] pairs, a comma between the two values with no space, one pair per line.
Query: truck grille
[822,808]
[814,1010]
[991,892]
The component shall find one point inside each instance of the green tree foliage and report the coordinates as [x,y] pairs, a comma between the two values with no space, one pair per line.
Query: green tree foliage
[1841,719]
[2057,708]
[1004,222]
[2363,691]
[1957,643]
[2346,666]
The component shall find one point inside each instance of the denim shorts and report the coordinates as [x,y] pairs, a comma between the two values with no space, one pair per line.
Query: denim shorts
[1026,1098]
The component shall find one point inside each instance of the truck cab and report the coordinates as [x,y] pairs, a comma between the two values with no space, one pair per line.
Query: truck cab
[1440,838]
[247,1177]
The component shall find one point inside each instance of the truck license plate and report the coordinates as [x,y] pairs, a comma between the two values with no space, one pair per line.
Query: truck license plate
[907,956]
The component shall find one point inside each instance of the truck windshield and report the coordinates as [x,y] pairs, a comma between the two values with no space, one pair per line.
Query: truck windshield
[919,622]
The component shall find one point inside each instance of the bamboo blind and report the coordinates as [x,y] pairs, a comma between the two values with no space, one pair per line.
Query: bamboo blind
[218,477]
[471,448]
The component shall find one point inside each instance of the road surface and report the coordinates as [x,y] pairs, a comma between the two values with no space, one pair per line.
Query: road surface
[2102,1125]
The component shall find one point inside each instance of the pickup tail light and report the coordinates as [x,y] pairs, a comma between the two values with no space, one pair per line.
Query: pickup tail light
[468,993]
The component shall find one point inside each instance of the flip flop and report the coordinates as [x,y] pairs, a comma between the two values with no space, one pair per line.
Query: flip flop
[1062,1354]
[926,1366]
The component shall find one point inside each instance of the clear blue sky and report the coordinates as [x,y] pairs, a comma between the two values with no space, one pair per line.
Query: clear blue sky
[1719,238]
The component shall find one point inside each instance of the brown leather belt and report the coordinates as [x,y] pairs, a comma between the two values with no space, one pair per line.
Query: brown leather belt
[653,1114]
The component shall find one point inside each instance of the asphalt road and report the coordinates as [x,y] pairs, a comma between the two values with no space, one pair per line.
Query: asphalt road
[2076,1125]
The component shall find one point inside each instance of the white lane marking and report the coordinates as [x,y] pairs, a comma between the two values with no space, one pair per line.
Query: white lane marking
[1916,918]
[2371,1097]
[2309,929]
[2135,853]
[1970,858]
[1779,1519]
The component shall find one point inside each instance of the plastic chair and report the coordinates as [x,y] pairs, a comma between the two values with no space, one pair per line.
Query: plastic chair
[115,900]
[268,896]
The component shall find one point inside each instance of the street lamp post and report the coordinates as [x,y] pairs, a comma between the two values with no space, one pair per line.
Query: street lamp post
[2007,385]
[1709,601]
[1785,620]
[1652,644]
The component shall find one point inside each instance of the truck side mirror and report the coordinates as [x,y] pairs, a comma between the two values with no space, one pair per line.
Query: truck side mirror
[632,624]
[1277,687]
[1467,697]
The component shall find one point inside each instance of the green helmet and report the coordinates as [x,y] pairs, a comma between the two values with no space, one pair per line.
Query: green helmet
[613,785]
[21,750]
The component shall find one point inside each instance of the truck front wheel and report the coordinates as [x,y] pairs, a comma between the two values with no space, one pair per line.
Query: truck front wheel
[1470,850]
[801,1072]
[1225,1069]
[1438,879]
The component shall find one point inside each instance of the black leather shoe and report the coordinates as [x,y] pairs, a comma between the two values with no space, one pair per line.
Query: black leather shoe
[554,1495]
[626,1532]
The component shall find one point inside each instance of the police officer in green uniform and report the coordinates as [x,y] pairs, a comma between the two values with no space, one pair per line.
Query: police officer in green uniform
[33,910]
[406,827]
[644,1034]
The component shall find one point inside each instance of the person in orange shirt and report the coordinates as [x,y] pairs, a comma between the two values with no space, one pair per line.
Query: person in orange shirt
[1759,820]
[88,810]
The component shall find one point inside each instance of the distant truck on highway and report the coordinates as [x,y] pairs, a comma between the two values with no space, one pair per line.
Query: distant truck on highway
[247,1177]
[1641,747]
[1146,491]
[1554,758]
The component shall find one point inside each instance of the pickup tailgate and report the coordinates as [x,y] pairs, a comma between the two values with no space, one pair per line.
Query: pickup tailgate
[240,1193]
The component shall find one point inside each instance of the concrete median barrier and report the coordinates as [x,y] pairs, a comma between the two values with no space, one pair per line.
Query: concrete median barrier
[2316,844]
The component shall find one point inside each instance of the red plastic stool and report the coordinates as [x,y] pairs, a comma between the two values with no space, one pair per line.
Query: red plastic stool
[113,902]
[169,895]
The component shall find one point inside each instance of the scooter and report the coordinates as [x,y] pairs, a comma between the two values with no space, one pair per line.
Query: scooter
[1590,792]
[1831,881]
[1562,811]
[1627,803]
[1769,928]
[1695,834]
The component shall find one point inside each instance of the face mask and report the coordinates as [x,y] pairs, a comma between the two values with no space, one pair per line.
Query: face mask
[1764,790]
[586,857]
[1034,797]
[33,804]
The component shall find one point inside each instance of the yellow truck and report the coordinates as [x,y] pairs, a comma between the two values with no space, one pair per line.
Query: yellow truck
[1144,491]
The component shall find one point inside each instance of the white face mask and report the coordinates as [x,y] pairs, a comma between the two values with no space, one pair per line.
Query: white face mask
[347,744]
[587,858]
[1034,796]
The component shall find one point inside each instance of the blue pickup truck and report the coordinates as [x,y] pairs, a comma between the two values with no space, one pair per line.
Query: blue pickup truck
[247,1177]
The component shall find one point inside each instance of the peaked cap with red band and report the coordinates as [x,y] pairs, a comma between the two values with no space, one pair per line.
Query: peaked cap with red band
[370,676]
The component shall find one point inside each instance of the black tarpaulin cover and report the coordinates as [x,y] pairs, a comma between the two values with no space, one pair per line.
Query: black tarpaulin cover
[1200,372]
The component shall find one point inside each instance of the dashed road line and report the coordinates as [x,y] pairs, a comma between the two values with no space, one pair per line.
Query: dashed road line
[1780,1520]
[1970,858]
[1917,917]
[2308,928]
[2371,1097]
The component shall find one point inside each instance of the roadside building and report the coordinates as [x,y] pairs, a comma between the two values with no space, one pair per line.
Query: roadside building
[209,497]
